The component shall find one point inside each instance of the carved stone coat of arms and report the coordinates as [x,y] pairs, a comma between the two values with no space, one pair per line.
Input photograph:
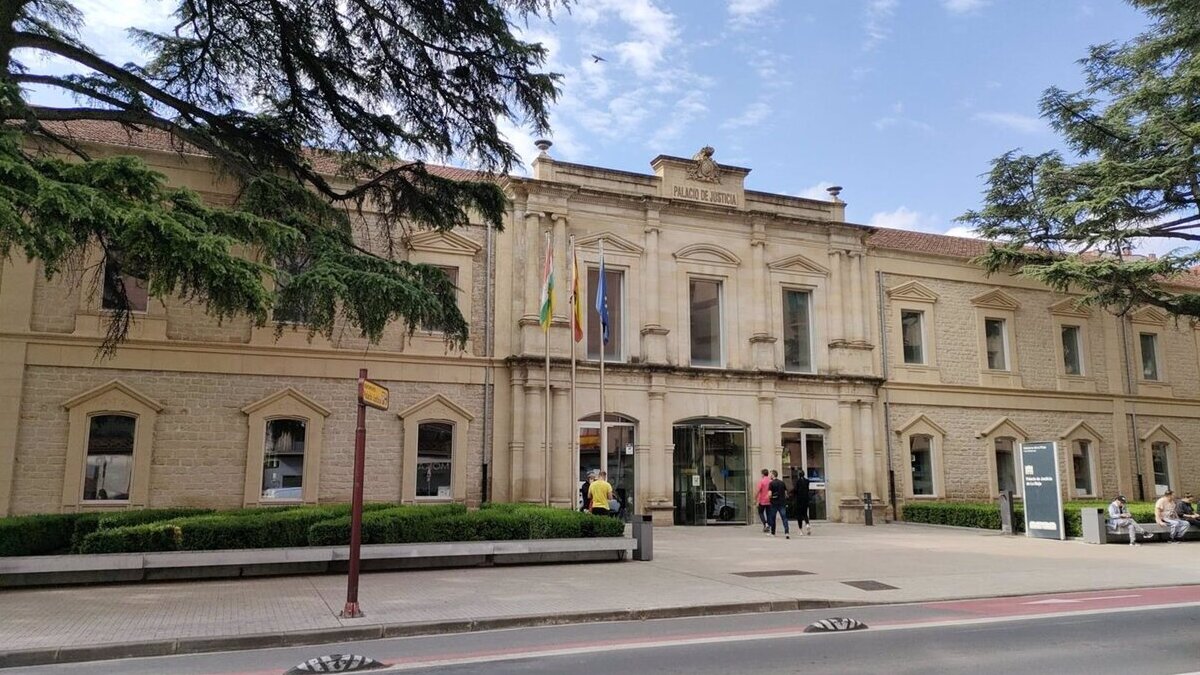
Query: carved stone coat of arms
[705,169]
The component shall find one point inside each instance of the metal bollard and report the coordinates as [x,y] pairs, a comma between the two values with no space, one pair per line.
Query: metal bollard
[643,532]
[868,512]
[1006,512]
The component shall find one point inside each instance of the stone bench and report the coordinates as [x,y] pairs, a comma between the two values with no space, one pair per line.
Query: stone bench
[1095,529]
[131,567]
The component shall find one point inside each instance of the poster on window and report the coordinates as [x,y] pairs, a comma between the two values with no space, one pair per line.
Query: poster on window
[1043,500]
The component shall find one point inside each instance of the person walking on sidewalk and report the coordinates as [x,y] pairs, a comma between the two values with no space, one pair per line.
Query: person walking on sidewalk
[801,493]
[1166,513]
[764,498]
[778,493]
[1119,517]
[600,492]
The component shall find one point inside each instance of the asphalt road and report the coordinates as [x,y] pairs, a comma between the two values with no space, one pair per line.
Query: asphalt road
[1134,631]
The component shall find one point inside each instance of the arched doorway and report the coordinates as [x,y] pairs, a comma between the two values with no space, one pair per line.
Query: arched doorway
[618,461]
[710,472]
[804,445]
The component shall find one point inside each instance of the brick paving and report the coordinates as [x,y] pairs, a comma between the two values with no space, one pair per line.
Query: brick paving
[692,567]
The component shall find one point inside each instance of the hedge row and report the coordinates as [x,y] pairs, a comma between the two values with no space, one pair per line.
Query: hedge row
[330,526]
[986,515]
[59,533]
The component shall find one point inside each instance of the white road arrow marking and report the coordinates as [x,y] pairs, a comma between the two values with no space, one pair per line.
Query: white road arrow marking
[1065,601]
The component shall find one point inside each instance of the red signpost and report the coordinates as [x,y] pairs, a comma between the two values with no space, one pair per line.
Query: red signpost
[376,396]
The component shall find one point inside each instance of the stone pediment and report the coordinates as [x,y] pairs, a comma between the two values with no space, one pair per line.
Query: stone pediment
[1149,315]
[1070,307]
[707,254]
[613,243]
[288,393]
[1160,431]
[798,264]
[921,422]
[1080,428]
[442,242]
[1004,424]
[996,299]
[439,404]
[117,386]
[913,291]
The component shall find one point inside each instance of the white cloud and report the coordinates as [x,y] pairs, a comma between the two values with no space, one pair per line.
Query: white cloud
[753,115]
[687,109]
[652,30]
[964,6]
[965,231]
[889,122]
[746,12]
[1014,121]
[902,218]
[879,15]
[817,191]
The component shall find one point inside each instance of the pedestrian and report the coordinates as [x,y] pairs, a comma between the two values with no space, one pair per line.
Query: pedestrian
[764,498]
[778,492]
[802,494]
[1166,514]
[1119,517]
[585,497]
[1187,510]
[600,492]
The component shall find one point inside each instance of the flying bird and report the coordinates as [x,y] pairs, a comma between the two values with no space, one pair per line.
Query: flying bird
[598,59]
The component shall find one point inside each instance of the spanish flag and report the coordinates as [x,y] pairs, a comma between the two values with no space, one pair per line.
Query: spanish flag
[576,308]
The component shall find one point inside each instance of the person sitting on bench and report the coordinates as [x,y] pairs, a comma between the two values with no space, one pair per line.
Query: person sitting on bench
[1119,516]
[1187,510]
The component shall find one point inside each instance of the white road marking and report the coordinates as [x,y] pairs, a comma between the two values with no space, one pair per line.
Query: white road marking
[751,637]
[1071,601]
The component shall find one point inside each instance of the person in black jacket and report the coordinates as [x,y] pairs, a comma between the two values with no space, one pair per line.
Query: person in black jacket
[801,493]
[778,491]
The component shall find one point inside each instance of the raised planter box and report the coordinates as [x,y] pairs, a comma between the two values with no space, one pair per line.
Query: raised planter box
[132,567]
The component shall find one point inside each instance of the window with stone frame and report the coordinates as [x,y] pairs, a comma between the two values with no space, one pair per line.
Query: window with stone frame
[1072,350]
[1082,464]
[704,303]
[116,280]
[451,274]
[912,332]
[920,447]
[797,331]
[289,309]
[1006,465]
[1161,463]
[996,343]
[1149,350]
[614,281]
[108,472]
[283,459]
[435,445]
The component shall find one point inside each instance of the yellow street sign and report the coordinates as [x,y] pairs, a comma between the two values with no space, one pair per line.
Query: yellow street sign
[374,395]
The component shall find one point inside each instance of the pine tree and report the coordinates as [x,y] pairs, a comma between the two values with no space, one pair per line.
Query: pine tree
[1135,133]
[269,89]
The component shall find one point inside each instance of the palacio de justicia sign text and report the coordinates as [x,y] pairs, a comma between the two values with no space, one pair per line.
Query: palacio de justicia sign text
[704,195]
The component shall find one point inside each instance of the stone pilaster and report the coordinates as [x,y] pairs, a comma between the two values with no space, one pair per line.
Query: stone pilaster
[762,344]
[561,483]
[654,335]
[532,477]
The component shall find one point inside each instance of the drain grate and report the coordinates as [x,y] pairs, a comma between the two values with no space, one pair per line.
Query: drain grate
[773,573]
[870,585]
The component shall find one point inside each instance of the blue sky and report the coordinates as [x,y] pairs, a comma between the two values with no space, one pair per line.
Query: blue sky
[902,102]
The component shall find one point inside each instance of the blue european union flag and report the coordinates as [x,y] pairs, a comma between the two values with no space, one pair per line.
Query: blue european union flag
[602,302]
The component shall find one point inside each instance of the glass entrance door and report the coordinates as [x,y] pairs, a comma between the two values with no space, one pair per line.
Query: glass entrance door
[804,452]
[620,457]
[710,474]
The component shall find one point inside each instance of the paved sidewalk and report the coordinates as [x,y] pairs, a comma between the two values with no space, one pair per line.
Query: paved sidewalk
[693,568]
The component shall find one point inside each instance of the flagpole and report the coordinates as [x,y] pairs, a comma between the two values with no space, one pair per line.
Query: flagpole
[574,414]
[603,354]
[546,407]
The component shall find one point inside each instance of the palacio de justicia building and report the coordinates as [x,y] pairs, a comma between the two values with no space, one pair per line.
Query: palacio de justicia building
[747,330]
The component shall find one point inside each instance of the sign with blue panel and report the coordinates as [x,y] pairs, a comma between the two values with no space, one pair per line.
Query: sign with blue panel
[1043,500]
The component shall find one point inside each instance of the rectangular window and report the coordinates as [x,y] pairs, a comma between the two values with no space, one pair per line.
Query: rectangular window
[797,331]
[1072,347]
[288,309]
[109,470]
[996,339]
[614,280]
[435,443]
[1006,476]
[283,459]
[704,298]
[1162,467]
[452,274]
[1149,342]
[1081,465]
[912,330]
[116,280]
[921,449]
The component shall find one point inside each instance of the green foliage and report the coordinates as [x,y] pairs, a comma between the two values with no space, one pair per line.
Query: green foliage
[36,535]
[87,523]
[374,82]
[986,515]
[1135,130]
[134,539]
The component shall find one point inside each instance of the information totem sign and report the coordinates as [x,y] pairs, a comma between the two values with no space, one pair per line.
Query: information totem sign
[1043,499]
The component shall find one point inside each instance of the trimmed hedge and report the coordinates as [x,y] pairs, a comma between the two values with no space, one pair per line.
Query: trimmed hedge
[986,515]
[409,523]
[36,535]
[87,523]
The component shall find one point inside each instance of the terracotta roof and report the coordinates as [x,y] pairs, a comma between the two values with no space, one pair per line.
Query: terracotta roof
[111,133]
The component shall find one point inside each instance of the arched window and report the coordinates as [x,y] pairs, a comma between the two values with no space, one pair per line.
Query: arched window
[435,446]
[283,459]
[109,468]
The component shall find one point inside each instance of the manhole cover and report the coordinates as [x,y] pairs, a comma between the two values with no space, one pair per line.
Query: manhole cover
[835,625]
[772,573]
[336,663]
[870,585]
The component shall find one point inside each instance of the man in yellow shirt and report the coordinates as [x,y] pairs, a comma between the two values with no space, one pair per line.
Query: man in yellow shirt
[600,492]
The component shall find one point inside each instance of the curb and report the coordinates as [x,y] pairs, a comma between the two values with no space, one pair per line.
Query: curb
[107,652]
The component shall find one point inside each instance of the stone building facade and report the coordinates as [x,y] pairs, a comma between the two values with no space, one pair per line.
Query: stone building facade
[747,330]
